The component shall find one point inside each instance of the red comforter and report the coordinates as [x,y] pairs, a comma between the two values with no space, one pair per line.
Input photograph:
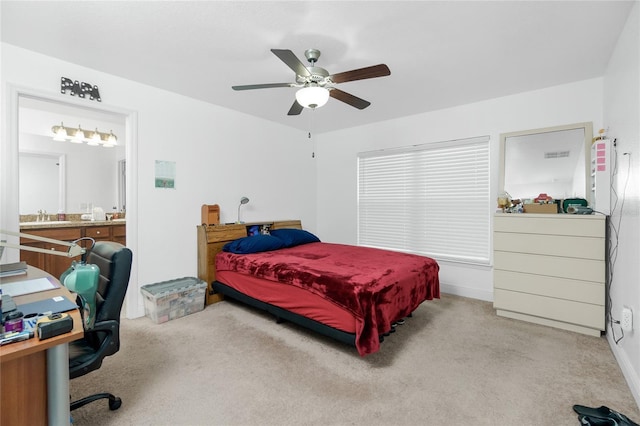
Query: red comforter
[377,286]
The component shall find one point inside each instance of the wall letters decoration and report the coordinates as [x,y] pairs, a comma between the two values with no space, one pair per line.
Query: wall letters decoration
[79,88]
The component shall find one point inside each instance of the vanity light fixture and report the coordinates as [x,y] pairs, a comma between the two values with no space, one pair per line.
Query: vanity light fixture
[60,133]
[312,96]
[243,200]
[79,135]
[95,139]
[111,140]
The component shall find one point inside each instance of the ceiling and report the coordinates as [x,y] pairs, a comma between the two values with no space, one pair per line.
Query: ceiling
[441,53]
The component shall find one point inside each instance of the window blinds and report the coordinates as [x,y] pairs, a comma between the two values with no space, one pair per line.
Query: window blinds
[430,199]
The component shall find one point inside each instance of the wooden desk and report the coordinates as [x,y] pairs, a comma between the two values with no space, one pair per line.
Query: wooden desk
[34,374]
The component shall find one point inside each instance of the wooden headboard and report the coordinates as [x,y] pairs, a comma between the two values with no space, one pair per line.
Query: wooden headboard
[211,239]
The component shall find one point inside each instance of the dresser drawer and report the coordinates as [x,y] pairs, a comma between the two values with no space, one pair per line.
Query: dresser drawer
[566,311]
[560,288]
[560,224]
[553,266]
[551,245]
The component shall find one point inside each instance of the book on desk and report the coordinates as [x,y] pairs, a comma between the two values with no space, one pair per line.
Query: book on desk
[11,269]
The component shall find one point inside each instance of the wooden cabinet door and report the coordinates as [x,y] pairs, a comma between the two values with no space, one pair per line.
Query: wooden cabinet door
[53,264]
[119,234]
[32,258]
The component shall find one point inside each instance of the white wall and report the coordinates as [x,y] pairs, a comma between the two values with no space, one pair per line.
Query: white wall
[337,151]
[622,117]
[220,156]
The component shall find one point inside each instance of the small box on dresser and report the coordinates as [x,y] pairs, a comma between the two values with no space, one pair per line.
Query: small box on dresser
[173,299]
[540,208]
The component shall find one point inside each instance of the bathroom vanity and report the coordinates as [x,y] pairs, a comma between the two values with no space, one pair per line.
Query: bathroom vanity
[550,269]
[66,231]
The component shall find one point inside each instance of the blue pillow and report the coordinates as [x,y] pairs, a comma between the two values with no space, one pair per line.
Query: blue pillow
[294,237]
[253,244]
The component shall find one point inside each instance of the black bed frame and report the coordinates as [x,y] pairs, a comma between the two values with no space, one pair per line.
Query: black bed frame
[283,314]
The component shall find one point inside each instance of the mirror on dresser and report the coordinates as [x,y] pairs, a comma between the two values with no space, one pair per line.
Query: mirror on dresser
[552,160]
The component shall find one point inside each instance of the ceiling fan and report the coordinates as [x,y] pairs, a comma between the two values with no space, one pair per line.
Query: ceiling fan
[316,84]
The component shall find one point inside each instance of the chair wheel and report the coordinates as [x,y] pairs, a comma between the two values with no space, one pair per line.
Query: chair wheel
[115,403]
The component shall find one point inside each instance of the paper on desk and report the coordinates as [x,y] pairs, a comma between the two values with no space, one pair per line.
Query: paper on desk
[18,288]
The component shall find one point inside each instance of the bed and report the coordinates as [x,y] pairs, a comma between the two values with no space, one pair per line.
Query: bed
[353,294]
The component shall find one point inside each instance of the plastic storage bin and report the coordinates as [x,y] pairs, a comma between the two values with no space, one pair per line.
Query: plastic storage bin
[173,299]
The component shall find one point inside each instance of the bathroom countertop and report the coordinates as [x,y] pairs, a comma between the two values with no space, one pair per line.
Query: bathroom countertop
[71,224]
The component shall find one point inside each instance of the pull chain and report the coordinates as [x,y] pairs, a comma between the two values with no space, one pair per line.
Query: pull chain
[313,154]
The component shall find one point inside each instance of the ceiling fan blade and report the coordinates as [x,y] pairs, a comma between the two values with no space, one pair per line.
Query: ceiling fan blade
[292,61]
[295,109]
[348,98]
[362,73]
[262,86]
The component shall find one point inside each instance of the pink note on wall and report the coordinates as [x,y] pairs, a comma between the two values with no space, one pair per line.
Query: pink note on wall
[600,146]
[602,167]
[601,153]
[601,160]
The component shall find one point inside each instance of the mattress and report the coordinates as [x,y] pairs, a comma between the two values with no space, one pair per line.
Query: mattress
[373,287]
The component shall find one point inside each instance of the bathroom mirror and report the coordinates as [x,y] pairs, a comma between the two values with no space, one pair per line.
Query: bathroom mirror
[61,175]
[42,182]
[552,160]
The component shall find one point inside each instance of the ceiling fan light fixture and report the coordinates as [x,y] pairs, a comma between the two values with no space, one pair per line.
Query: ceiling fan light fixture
[312,96]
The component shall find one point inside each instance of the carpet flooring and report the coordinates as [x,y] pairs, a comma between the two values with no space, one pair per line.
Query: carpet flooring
[453,363]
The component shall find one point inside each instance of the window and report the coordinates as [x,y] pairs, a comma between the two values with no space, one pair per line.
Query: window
[430,199]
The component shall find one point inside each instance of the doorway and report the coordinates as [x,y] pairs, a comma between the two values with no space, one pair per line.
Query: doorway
[10,211]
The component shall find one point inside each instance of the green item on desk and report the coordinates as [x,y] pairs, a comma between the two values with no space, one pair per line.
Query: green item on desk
[82,279]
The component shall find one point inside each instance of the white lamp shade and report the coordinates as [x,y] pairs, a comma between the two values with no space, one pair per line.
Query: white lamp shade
[312,97]
[78,137]
[95,139]
[60,134]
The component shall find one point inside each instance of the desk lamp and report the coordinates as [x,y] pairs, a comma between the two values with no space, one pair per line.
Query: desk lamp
[74,249]
[243,200]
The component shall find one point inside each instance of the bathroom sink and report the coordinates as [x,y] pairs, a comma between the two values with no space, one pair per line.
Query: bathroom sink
[47,222]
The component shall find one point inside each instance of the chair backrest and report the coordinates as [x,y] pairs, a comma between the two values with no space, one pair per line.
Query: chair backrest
[114,261]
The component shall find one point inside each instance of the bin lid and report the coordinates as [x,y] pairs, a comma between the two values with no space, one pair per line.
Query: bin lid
[172,286]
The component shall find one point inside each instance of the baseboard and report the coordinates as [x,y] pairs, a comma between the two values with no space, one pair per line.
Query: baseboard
[472,293]
[630,375]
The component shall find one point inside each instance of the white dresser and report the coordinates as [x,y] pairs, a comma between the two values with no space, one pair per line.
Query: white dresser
[551,269]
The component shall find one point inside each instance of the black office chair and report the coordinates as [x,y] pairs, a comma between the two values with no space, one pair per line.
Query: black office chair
[85,355]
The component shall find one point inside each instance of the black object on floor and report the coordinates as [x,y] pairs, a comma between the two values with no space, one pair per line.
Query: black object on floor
[602,416]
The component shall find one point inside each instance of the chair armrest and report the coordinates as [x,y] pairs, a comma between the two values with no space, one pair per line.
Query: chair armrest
[111,342]
[89,359]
